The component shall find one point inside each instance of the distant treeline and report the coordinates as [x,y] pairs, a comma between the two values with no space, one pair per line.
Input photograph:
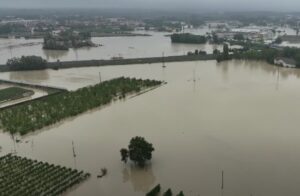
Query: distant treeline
[188,38]
[260,52]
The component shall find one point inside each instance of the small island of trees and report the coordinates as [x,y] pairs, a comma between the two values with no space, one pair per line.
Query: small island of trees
[26,63]
[188,38]
[139,151]
[66,40]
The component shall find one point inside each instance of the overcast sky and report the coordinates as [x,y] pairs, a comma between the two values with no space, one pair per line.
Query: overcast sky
[214,5]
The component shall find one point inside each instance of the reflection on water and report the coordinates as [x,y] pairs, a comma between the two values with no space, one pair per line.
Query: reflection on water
[142,179]
[29,76]
[54,54]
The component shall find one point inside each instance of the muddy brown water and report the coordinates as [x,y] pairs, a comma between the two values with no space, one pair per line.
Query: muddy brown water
[240,117]
[128,47]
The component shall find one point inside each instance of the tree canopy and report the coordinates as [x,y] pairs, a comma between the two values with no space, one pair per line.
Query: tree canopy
[139,151]
[188,38]
[26,63]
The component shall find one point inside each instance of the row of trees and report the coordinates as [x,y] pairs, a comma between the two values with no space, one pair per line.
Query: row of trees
[157,189]
[188,38]
[197,52]
[26,63]
[26,177]
[52,109]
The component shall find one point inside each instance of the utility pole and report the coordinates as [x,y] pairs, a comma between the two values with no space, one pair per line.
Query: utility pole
[100,77]
[74,154]
[222,186]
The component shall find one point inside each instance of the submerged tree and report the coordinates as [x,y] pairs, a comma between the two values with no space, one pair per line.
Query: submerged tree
[124,155]
[139,151]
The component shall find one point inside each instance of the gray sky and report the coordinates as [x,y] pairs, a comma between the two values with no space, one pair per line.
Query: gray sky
[214,5]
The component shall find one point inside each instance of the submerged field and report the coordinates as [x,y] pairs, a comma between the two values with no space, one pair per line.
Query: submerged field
[12,93]
[237,116]
[40,113]
[26,177]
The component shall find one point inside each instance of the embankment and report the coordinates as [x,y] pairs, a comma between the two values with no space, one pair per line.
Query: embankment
[130,61]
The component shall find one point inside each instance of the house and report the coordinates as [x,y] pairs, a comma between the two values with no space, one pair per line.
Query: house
[285,62]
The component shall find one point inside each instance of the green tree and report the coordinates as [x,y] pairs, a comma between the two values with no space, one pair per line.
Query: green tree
[226,51]
[124,154]
[168,193]
[140,151]
[180,194]
[26,63]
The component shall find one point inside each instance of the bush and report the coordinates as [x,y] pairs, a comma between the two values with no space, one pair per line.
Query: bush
[168,193]
[154,191]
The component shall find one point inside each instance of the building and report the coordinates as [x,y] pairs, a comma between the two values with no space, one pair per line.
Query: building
[285,62]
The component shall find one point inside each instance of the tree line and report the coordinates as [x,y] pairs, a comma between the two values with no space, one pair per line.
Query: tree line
[26,63]
[188,38]
[37,114]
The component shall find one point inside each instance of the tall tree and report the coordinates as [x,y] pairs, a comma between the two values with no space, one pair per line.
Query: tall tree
[139,150]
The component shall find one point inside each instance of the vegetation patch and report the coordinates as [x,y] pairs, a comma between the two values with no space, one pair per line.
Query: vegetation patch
[26,177]
[156,191]
[188,38]
[37,114]
[13,93]
[26,63]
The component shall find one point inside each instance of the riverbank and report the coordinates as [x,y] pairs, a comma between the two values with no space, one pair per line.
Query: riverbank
[97,63]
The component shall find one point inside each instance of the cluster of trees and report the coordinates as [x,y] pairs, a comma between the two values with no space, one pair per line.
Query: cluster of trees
[139,151]
[188,38]
[52,109]
[67,39]
[156,190]
[26,177]
[26,63]
[223,56]
[259,52]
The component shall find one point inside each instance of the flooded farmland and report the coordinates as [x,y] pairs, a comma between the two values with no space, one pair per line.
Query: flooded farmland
[128,47]
[240,117]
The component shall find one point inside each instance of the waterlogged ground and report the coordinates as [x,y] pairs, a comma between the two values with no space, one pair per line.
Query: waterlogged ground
[128,47]
[240,117]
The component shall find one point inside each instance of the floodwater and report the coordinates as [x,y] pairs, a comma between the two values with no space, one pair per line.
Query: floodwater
[240,117]
[128,47]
